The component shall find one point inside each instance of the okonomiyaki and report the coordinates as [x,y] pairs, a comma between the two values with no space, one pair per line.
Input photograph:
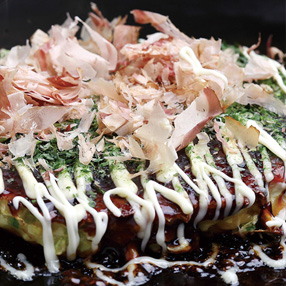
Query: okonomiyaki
[154,149]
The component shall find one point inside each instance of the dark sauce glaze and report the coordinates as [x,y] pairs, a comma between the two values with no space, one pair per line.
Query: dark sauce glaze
[173,213]
[13,184]
[122,232]
[233,250]
[14,187]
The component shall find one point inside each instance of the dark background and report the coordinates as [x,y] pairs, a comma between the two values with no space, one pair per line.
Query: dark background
[238,21]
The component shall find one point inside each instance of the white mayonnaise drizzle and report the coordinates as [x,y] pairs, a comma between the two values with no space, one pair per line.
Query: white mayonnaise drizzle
[58,193]
[71,217]
[45,219]
[279,220]
[243,189]
[234,158]
[150,195]
[127,188]
[170,174]
[201,170]
[166,175]
[251,165]
[277,192]
[62,189]
[189,56]
[162,263]
[131,278]
[197,155]
[148,212]
[180,198]
[268,141]
[267,165]
[229,276]
[110,280]
[181,233]
[28,179]
[280,263]
[25,275]
[183,242]
[203,192]
[172,195]
[203,140]
[101,222]
[121,178]
[2,186]
[100,218]
[66,185]
[74,214]
[152,205]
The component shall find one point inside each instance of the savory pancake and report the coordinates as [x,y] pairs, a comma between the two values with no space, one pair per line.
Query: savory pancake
[152,149]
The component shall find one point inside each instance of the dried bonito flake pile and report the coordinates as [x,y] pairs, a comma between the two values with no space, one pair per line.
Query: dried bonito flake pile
[154,94]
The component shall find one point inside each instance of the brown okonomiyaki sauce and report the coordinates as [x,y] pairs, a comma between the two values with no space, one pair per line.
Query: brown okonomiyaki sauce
[173,213]
[121,239]
[232,249]
[120,243]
